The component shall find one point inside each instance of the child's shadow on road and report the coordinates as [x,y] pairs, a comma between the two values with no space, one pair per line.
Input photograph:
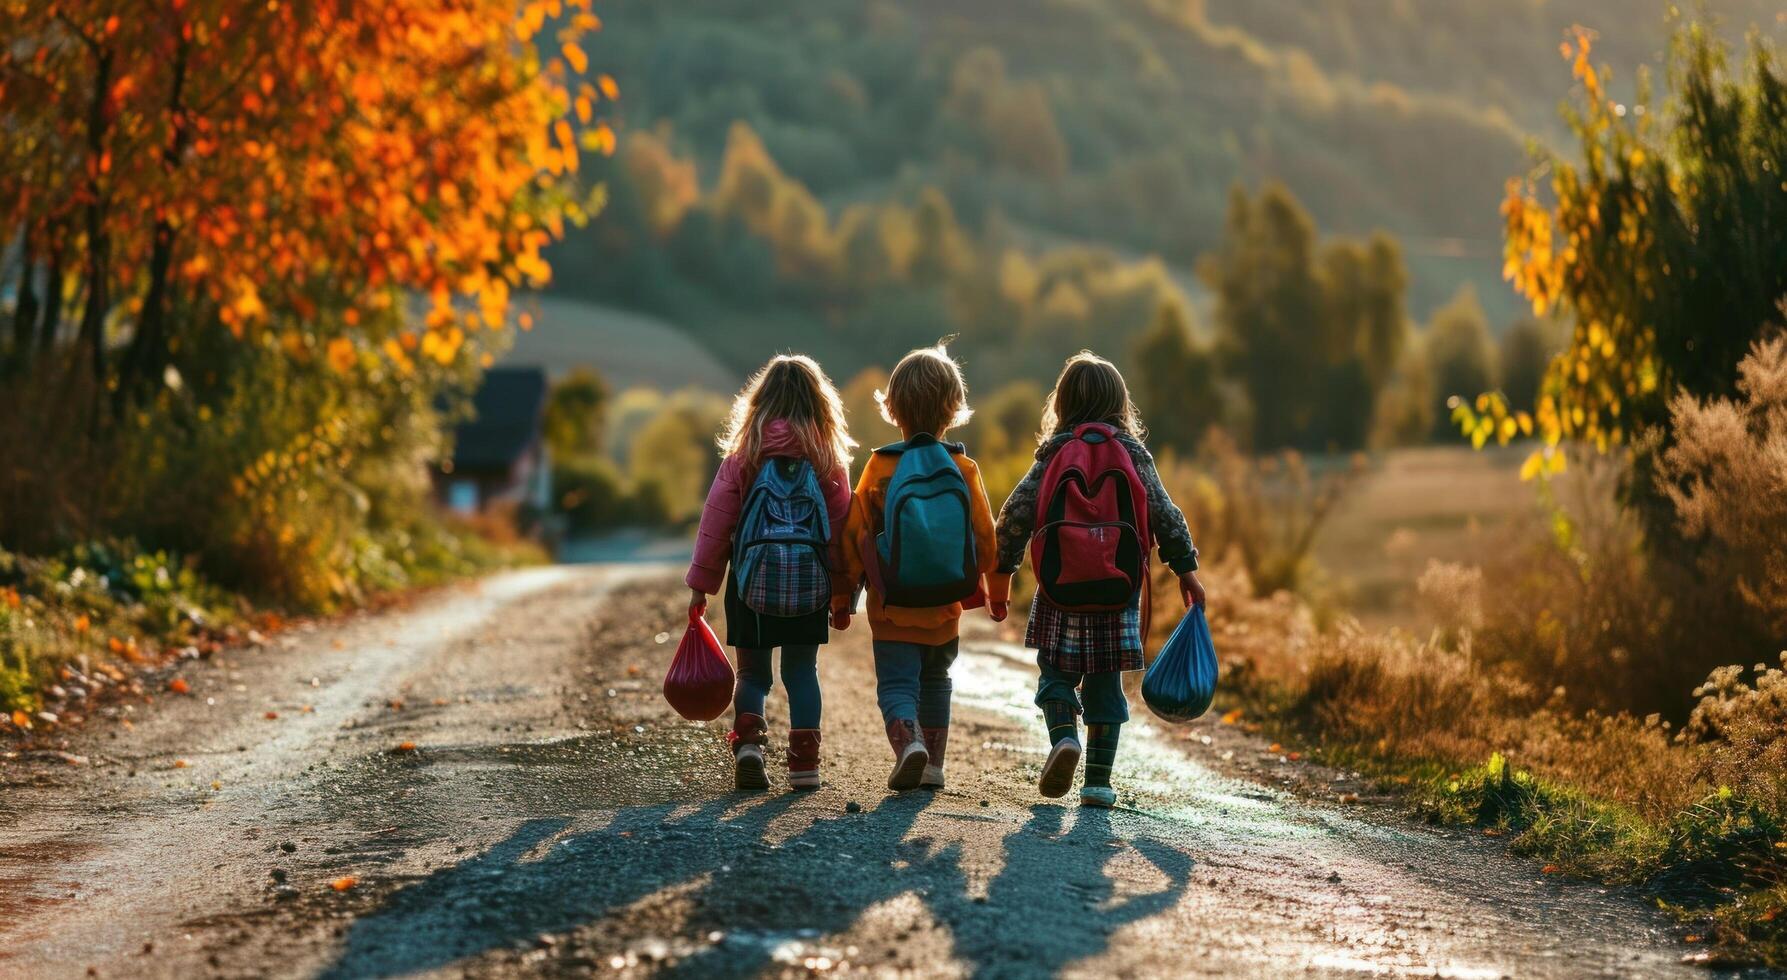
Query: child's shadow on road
[1050,905]
[497,900]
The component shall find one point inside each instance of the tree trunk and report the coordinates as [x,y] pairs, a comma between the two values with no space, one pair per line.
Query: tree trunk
[52,304]
[98,241]
[24,313]
[148,346]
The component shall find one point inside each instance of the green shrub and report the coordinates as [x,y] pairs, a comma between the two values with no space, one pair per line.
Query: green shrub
[592,494]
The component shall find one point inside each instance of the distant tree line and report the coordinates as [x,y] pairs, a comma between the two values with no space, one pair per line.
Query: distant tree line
[1312,346]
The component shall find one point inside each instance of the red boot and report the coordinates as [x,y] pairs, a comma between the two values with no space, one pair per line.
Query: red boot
[936,741]
[803,758]
[910,754]
[748,736]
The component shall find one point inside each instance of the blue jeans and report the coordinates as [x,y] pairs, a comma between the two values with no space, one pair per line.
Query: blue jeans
[1102,693]
[912,681]
[800,678]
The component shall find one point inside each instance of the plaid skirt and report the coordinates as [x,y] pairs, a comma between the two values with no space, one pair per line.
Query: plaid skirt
[1086,642]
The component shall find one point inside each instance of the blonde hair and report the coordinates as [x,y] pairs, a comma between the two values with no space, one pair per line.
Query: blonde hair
[926,393]
[791,387]
[1090,389]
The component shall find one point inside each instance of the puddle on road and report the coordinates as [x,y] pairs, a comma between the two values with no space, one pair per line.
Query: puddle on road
[1153,775]
[1388,901]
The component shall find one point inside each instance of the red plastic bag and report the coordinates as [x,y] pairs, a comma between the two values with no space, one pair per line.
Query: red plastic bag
[699,682]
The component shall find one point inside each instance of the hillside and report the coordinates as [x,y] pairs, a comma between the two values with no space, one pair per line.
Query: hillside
[630,348]
[1126,121]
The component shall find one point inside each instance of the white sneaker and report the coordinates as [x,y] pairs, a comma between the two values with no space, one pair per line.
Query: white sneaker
[933,778]
[748,771]
[909,767]
[1058,769]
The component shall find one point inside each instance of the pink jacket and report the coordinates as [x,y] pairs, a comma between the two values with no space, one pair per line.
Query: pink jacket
[719,517]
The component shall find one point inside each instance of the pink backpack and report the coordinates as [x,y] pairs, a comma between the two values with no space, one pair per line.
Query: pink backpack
[1090,549]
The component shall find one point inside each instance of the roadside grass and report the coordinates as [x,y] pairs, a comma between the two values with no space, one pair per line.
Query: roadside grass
[87,622]
[1481,686]
[1615,799]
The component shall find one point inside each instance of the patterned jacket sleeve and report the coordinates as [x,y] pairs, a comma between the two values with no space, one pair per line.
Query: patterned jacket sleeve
[1017,520]
[1171,535]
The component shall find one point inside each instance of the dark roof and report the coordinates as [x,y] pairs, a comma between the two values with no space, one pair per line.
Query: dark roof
[508,409]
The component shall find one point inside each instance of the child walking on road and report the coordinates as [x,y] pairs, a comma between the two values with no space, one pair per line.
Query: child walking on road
[776,514]
[921,532]
[1087,512]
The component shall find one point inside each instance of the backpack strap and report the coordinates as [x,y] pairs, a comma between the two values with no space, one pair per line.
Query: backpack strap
[919,440]
[1102,429]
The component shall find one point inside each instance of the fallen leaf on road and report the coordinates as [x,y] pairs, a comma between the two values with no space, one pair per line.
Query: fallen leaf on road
[1491,832]
[181,763]
[1231,717]
[216,784]
[1275,748]
[405,747]
[1349,797]
[1550,869]
[271,716]
[395,704]
[1690,939]
[338,644]
[21,719]
[179,686]
[1295,756]
[343,884]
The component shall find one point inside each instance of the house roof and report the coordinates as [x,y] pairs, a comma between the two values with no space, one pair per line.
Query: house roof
[509,408]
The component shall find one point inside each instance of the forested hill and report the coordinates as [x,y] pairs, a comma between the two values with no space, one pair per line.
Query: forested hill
[1126,121]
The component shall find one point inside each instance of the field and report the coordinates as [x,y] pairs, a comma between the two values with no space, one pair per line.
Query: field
[1410,507]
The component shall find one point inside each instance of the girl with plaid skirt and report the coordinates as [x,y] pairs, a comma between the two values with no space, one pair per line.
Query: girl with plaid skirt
[1082,655]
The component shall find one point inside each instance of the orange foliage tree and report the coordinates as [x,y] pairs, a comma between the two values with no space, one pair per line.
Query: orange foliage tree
[290,165]
[1666,241]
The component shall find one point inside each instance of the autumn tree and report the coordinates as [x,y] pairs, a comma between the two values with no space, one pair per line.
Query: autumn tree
[1665,242]
[261,245]
[296,168]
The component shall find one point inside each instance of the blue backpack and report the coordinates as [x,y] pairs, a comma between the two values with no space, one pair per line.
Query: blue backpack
[925,552]
[779,548]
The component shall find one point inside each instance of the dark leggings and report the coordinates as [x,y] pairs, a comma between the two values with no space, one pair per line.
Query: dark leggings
[800,678]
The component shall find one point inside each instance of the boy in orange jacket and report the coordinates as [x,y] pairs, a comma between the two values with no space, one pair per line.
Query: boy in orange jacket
[926,558]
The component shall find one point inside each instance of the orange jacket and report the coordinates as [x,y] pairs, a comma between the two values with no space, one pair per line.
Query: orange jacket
[936,624]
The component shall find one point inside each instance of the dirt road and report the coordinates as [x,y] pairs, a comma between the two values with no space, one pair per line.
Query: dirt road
[554,818]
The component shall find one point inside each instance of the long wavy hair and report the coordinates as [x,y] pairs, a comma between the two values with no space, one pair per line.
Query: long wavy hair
[1090,389]
[791,387]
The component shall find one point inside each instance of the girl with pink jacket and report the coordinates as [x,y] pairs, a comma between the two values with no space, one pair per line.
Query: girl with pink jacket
[788,412]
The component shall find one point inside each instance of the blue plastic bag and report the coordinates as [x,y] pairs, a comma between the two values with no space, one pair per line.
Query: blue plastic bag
[1182,680]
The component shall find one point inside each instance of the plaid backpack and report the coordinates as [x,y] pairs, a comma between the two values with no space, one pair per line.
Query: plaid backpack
[779,548]
[1090,549]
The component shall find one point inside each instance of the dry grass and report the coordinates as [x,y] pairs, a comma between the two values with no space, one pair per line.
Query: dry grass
[1527,701]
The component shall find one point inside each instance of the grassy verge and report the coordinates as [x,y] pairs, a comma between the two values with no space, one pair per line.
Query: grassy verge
[1693,824]
[80,627]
